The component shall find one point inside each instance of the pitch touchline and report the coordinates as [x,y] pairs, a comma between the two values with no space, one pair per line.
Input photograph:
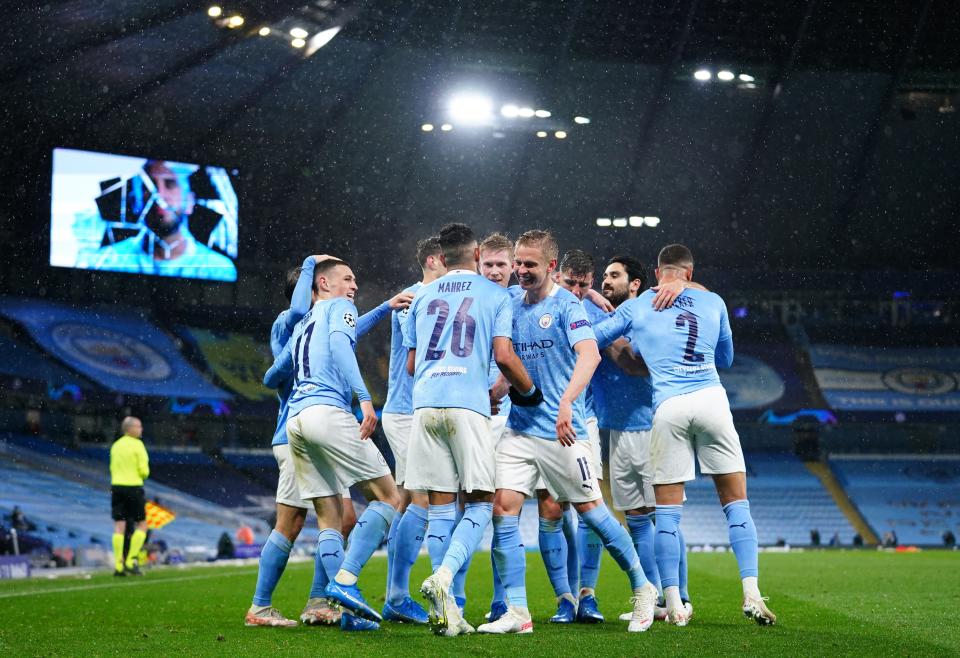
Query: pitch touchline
[138,583]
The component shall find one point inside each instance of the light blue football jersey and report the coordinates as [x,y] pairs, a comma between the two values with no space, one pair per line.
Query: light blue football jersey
[678,344]
[543,337]
[622,402]
[317,379]
[452,324]
[399,383]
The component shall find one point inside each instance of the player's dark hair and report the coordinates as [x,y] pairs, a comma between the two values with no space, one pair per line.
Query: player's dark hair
[426,248]
[292,277]
[675,255]
[577,263]
[457,242]
[633,267]
[324,267]
[542,240]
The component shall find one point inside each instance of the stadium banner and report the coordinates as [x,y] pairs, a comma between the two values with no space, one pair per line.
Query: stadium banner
[855,378]
[121,352]
[14,567]
[22,360]
[763,377]
[237,359]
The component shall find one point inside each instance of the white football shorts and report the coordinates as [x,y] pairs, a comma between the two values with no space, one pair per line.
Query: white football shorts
[631,471]
[328,455]
[450,449]
[698,422]
[566,472]
[397,429]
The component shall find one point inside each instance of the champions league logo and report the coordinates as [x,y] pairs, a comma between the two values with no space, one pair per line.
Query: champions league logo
[110,352]
[919,381]
[349,320]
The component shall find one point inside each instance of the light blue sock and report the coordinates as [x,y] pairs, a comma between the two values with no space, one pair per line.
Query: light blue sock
[467,535]
[642,533]
[406,548]
[667,544]
[368,535]
[743,537]
[498,594]
[511,559]
[590,547]
[617,541]
[391,550]
[684,594]
[573,553]
[327,561]
[273,560]
[553,549]
[442,519]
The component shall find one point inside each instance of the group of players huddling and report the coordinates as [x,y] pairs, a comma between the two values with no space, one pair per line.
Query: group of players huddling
[496,394]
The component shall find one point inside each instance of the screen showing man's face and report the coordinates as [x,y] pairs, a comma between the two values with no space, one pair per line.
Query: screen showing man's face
[173,203]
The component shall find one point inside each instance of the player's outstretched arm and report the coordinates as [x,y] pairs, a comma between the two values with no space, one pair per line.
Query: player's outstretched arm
[302,298]
[600,301]
[281,370]
[613,327]
[623,355]
[588,358]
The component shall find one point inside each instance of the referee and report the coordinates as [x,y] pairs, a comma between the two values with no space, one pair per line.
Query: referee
[129,467]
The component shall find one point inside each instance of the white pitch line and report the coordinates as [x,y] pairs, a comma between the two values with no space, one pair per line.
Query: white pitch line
[140,582]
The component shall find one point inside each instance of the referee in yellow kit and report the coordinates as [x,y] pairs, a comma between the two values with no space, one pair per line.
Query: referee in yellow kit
[129,467]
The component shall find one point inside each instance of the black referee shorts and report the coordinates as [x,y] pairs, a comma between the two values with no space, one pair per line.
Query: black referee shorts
[127,503]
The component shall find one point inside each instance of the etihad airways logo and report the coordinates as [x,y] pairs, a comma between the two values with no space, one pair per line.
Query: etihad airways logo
[544,344]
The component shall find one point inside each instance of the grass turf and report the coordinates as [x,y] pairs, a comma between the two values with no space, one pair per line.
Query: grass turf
[828,603]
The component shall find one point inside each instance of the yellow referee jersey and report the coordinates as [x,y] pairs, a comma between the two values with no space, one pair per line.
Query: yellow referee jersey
[129,465]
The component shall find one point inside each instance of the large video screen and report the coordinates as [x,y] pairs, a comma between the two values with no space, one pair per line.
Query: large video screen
[117,213]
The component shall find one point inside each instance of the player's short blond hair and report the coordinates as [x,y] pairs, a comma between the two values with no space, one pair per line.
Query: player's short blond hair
[496,242]
[542,240]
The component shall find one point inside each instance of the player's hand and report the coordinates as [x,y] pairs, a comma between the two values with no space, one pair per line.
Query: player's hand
[667,292]
[521,400]
[500,388]
[318,258]
[566,435]
[600,301]
[494,403]
[401,300]
[369,423]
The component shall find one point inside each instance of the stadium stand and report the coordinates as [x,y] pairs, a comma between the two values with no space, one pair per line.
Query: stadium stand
[786,501]
[916,496]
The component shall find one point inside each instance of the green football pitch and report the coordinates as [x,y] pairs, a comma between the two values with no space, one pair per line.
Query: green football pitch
[828,603]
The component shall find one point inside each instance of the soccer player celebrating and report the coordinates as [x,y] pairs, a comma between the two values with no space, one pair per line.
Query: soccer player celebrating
[329,449]
[291,508]
[554,340]
[454,326]
[583,548]
[682,347]
[409,526]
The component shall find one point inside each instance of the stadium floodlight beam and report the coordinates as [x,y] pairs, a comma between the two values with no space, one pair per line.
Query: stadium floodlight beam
[235,21]
[298,43]
[299,33]
[560,134]
[526,112]
[446,127]
[471,109]
[510,111]
[215,11]
[264,31]
[620,222]
[603,221]
[635,220]
[702,75]
[427,127]
[726,76]
[651,221]
[746,77]
[581,120]
[543,114]
[541,133]
[322,38]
